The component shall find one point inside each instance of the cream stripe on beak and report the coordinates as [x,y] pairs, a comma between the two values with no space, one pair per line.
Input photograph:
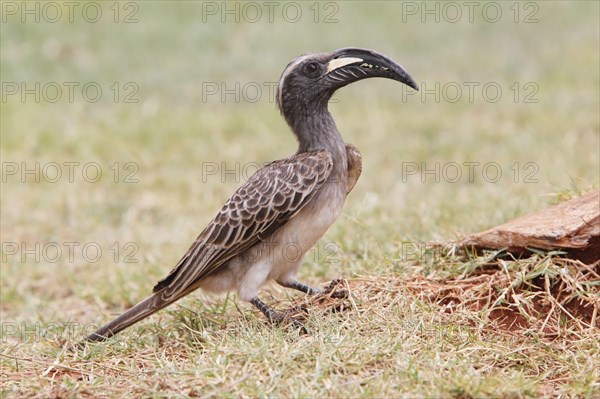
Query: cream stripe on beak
[340,62]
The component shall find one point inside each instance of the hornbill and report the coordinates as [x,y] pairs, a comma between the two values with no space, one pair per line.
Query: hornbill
[289,201]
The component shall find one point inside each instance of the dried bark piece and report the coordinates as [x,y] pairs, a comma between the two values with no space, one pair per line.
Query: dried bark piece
[572,226]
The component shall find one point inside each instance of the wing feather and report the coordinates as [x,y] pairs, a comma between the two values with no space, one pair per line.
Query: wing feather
[270,197]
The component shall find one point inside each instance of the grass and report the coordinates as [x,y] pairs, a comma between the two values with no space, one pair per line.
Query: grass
[397,335]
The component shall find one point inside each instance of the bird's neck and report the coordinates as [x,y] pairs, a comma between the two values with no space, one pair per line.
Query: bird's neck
[317,131]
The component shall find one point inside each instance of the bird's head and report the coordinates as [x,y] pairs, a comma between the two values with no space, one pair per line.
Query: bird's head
[309,81]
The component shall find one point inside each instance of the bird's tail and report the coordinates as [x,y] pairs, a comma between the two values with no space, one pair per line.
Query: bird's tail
[145,308]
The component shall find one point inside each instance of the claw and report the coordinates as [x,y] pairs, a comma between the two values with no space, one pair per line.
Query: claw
[296,309]
[340,294]
[332,285]
[298,325]
[329,290]
[285,318]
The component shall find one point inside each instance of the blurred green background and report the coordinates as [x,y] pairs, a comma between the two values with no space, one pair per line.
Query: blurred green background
[541,130]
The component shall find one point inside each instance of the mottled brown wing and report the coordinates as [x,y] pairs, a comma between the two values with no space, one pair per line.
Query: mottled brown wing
[270,197]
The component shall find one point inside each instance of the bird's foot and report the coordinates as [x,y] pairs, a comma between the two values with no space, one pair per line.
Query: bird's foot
[332,293]
[286,318]
[327,292]
[277,317]
[295,311]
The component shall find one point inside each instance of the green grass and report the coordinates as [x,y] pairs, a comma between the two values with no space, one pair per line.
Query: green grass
[388,341]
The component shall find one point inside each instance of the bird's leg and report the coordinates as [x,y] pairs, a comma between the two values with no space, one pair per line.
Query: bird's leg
[297,285]
[335,294]
[316,291]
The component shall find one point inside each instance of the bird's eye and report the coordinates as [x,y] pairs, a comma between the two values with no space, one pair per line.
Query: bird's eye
[311,69]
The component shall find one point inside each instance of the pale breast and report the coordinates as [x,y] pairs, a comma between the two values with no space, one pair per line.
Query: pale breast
[309,225]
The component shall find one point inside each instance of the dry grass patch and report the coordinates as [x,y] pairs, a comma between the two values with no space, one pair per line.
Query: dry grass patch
[555,296]
[480,327]
[546,293]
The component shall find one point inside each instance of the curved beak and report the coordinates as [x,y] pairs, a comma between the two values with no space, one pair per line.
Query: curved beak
[350,65]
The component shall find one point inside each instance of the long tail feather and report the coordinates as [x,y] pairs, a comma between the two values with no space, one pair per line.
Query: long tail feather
[145,308]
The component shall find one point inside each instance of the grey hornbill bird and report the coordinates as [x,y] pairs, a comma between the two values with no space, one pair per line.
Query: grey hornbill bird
[289,201]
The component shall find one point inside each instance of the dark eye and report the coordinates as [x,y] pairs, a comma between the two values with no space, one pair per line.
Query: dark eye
[311,69]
